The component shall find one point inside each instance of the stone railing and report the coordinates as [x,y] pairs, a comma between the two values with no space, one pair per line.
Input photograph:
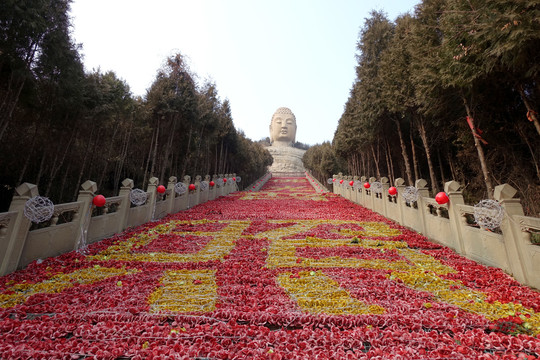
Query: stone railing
[320,188]
[452,224]
[20,244]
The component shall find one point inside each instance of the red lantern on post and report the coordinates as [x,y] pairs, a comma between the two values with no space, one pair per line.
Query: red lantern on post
[367,185]
[161,189]
[333,180]
[351,183]
[99,200]
[341,181]
[192,187]
[392,190]
[224,180]
[233,179]
[441,198]
[211,183]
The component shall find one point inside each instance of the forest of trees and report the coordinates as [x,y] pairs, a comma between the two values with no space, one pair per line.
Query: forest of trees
[60,126]
[451,91]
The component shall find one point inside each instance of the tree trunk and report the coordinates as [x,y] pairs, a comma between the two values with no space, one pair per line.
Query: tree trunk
[441,166]
[423,136]
[531,114]
[187,150]
[480,150]
[391,175]
[81,172]
[524,137]
[120,162]
[168,150]
[29,156]
[376,160]
[155,150]
[148,159]
[55,168]
[415,158]
[404,153]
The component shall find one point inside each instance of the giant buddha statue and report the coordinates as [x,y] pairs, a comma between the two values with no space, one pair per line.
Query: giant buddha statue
[287,159]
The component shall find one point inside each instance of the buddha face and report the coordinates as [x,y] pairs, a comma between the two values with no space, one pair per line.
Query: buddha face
[283,127]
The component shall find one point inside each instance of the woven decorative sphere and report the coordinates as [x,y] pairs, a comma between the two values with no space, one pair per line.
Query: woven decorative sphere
[180,188]
[376,186]
[488,214]
[238,179]
[220,182]
[138,197]
[38,209]
[203,185]
[410,194]
[330,181]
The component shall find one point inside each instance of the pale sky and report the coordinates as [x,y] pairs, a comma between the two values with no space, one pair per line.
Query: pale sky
[261,54]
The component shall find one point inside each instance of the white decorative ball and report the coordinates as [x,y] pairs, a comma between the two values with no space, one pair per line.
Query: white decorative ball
[376,187]
[203,185]
[238,179]
[410,194]
[180,188]
[38,209]
[488,214]
[138,197]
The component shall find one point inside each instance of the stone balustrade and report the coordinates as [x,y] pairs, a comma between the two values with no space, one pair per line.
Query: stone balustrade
[452,224]
[20,244]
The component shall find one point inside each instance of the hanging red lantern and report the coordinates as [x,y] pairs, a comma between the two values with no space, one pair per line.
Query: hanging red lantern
[441,198]
[224,180]
[333,180]
[233,179]
[351,183]
[192,187]
[161,189]
[211,183]
[367,185]
[99,200]
[341,181]
[392,190]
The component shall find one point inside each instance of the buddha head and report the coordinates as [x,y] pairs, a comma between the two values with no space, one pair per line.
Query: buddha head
[283,127]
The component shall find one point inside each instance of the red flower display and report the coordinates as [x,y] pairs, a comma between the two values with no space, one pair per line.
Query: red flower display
[283,273]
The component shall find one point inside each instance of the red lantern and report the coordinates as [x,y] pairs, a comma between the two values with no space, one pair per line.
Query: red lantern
[367,185]
[254,186]
[351,183]
[192,187]
[341,181]
[333,180]
[441,198]
[99,200]
[161,189]
[212,183]
[392,191]
[233,179]
[224,180]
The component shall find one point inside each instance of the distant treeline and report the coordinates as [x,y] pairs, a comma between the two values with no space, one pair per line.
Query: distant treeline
[451,91]
[60,126]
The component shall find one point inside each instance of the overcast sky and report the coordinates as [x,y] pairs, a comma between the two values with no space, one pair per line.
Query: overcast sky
[261,54]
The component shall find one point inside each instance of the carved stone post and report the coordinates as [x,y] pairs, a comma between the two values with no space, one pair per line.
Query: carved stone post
[400,186]
[187,181]
[11,256]
[334,186]
[423,192]
[211,189]
[384,198]
[197,192]
[152,189]
[371,201]
[171,194]
[355,191]
[363,192]
[455,196]
[125,189]
[86,195]
[514,243]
